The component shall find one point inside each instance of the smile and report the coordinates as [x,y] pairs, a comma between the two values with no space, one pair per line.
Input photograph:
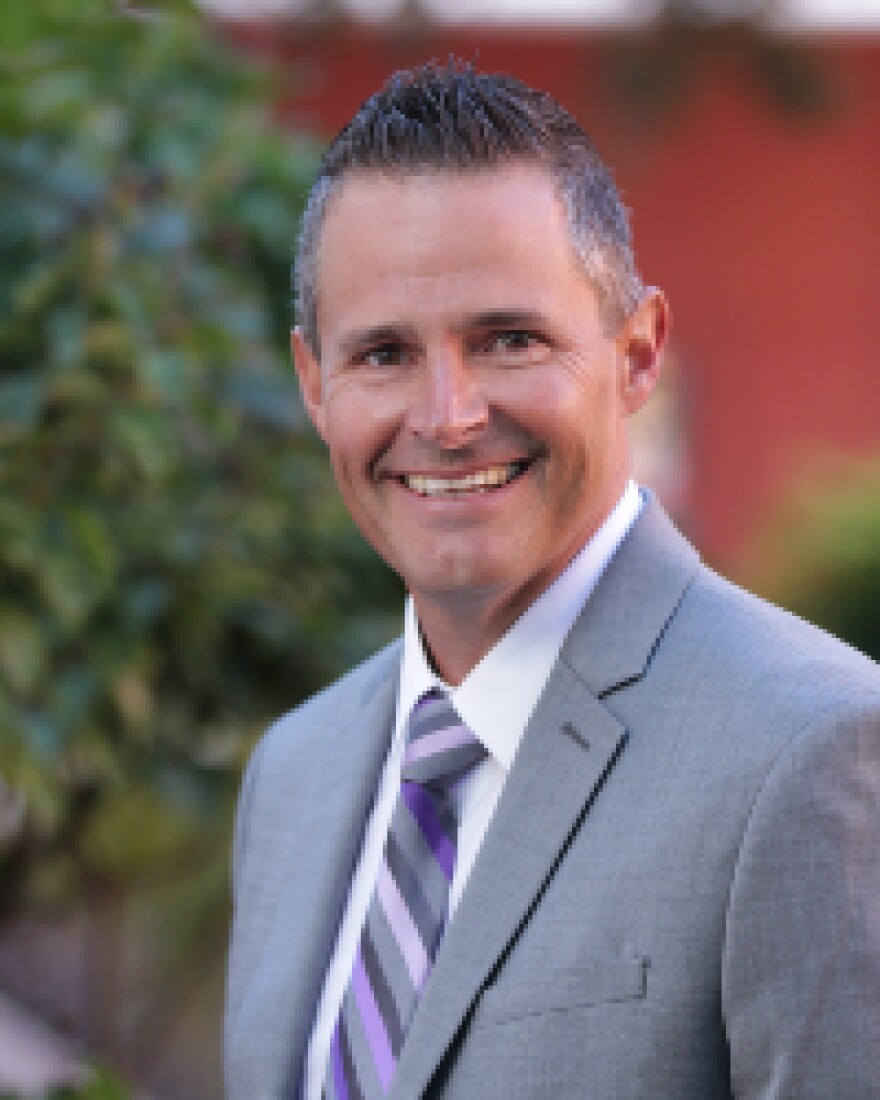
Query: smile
[481,481]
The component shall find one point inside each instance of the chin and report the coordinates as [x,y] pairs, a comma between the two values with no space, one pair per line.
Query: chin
[466,579]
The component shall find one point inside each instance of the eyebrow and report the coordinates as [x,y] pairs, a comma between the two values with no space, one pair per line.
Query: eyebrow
[373,337]
[503,318]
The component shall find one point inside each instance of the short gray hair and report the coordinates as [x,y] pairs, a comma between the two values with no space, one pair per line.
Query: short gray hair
[454,118]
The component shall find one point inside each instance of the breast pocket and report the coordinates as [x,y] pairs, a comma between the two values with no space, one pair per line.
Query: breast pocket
[601,982]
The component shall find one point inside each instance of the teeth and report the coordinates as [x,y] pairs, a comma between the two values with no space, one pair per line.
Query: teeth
[490,478]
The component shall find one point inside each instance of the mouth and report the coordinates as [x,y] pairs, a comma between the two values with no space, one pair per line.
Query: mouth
[487,480]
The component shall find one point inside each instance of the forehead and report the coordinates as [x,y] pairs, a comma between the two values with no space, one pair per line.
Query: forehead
[392,242]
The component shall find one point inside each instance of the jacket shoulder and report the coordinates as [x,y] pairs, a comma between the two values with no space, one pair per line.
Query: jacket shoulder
[754,637]
[315,712]
[277,761]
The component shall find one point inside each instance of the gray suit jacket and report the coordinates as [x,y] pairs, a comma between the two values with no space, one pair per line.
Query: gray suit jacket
[678,897]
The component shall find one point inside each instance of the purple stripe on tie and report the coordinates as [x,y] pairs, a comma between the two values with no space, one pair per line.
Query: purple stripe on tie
[374,1025]
[422,809]
[449,738]
[430,696]
[402,927]
[338,1071]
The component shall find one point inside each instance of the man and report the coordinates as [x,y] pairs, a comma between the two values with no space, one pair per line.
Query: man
[641,858]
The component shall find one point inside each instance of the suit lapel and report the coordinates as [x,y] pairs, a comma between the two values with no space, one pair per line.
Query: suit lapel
[613,640]
[553,780]
[565,758]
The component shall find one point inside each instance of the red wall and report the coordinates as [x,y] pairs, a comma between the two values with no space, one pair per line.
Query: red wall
[762,226]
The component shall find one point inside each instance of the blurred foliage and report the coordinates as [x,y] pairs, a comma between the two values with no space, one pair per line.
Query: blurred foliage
[175,565]
[821,559]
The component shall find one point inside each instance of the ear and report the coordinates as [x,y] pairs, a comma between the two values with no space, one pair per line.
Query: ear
[642,340]
[308,370]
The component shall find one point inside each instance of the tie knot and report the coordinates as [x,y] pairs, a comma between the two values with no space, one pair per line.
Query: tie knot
[440,748]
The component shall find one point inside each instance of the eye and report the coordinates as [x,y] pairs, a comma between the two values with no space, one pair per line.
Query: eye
[512,342]
[387,354]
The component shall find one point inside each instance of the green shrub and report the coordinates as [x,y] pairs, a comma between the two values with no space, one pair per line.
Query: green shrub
[822,557]
[175,565]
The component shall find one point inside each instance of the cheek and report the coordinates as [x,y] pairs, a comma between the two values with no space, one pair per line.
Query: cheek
[573,387]
[576,419]
[360,421]
[562,481]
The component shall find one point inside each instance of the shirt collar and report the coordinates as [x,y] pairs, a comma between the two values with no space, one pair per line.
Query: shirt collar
[497,697]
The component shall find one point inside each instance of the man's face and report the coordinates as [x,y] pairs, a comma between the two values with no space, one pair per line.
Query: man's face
[472,401]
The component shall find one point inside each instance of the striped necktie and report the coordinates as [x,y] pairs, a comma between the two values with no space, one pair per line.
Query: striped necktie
[408,910]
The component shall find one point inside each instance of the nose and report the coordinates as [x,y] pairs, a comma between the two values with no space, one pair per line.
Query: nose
[451,407]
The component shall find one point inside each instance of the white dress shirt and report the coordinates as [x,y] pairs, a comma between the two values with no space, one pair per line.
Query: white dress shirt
[495,700]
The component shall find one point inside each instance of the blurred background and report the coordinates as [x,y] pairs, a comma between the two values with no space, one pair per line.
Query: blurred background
[176,568]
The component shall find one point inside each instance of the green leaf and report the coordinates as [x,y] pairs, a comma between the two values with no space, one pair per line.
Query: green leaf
[22,651]
[54,90]
[20,399]
[145,435]
[167,374]
[69,591]
[66,330]
[93,539]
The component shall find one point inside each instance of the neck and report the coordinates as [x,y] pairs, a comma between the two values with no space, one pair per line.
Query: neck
[459,630]
[455,644]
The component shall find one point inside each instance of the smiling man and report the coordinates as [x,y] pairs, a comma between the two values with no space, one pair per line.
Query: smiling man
[471,389]
[599,824]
